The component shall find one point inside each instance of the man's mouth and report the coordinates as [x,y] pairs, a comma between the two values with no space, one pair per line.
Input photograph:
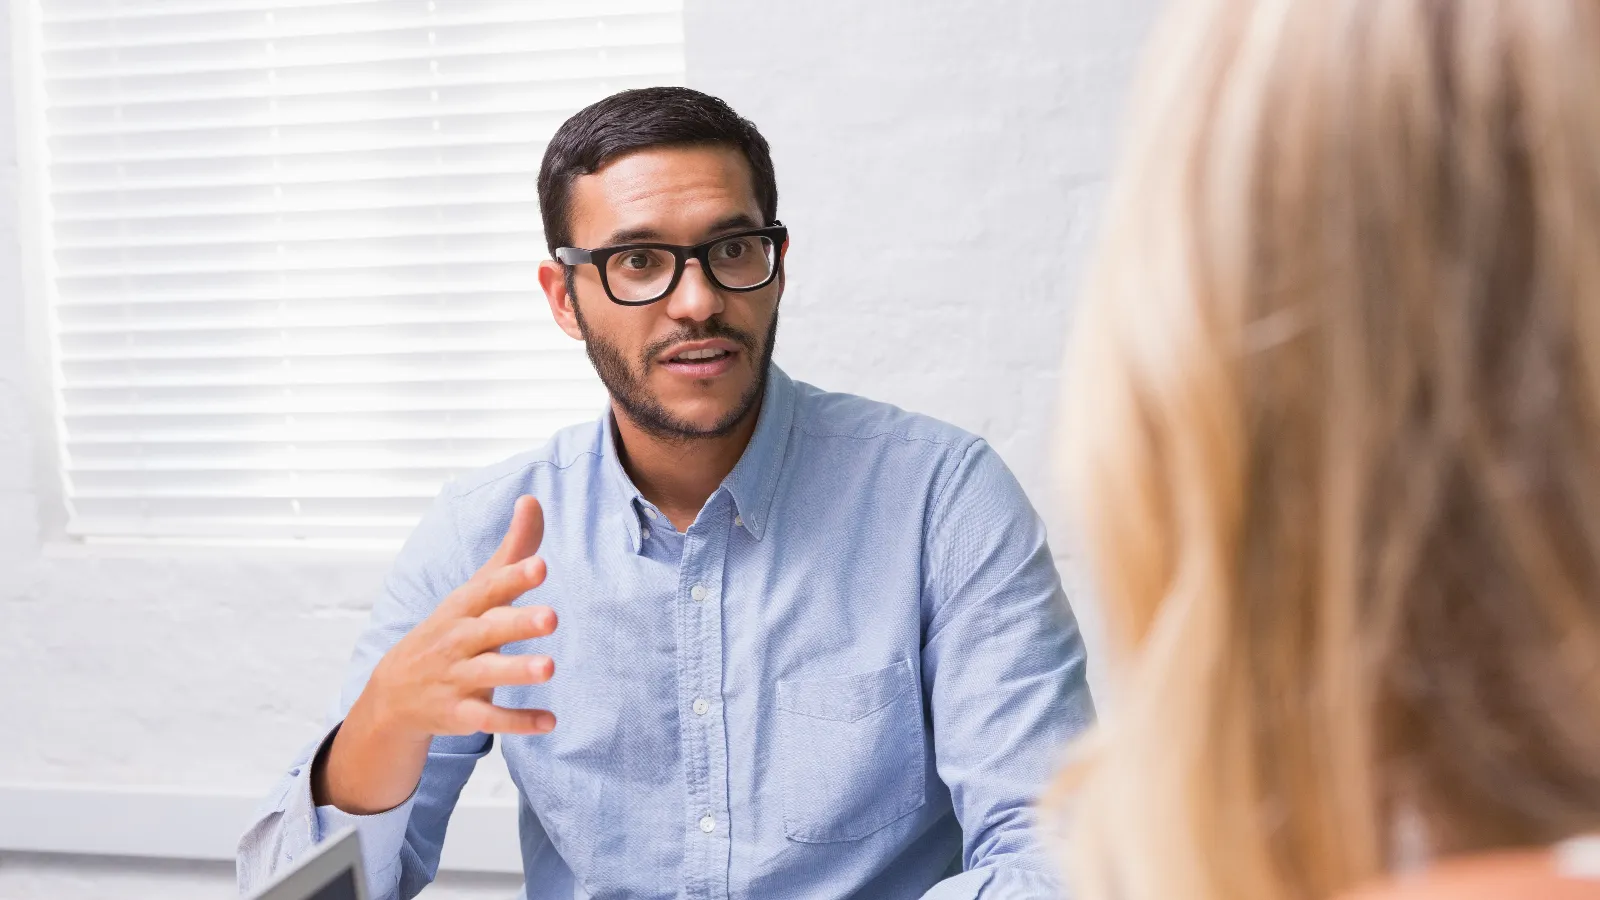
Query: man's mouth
[701,359]
[695,356]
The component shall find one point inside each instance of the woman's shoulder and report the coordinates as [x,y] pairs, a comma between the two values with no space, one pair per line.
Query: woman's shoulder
[1542,874]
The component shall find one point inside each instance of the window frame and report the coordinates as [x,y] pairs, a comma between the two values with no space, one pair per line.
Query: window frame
[36,270]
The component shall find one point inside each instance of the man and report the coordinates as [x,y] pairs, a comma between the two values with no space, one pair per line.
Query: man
[809,645]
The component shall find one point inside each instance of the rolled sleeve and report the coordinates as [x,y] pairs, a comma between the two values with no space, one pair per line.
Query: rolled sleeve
[383,835]
[291,823]
[285,824]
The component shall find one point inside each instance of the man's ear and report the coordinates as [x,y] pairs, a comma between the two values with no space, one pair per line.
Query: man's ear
[783,271]
[553,279]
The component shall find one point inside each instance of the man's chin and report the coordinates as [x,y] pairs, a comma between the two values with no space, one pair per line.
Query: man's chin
[700,417]
[700,403]
[703,421]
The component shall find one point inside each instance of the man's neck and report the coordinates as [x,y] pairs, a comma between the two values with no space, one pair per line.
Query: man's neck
[678,475]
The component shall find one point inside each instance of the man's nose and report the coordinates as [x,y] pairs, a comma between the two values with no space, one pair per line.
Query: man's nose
[695,298]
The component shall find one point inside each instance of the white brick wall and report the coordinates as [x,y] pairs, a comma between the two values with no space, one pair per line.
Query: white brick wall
[940,164]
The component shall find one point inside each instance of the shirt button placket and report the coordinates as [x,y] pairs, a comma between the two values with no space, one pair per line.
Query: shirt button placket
[707,855]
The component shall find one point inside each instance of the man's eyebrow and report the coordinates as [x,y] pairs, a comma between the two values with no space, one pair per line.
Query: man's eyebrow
[648,234]
[631,235]
[735,221]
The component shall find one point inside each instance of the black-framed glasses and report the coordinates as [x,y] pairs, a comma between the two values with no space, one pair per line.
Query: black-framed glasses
[641,274]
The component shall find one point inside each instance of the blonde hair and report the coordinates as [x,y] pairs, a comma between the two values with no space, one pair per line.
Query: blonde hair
[1334,424]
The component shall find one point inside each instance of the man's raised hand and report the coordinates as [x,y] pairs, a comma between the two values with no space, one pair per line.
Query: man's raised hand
[440,678]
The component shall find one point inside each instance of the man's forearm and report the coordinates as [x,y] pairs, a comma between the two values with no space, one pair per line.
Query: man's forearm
[368,767]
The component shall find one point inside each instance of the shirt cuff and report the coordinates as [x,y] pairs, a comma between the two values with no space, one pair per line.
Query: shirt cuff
[383,835]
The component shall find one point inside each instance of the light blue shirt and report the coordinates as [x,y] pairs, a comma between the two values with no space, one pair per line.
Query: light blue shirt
[849,678]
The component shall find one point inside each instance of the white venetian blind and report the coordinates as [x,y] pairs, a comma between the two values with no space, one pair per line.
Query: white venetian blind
[294,248]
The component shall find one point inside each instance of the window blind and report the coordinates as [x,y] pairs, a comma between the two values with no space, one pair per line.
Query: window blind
[294,245]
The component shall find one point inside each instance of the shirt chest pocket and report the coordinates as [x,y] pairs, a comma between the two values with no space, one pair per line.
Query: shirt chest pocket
[850,755]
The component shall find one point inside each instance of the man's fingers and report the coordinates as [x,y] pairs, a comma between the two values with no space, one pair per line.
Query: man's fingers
[522,535]
[507,624]
[492,670]
[481,715]
[512,570]
[501,587]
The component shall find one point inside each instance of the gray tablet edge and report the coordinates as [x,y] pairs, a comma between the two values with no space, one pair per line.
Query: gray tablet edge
[323,863]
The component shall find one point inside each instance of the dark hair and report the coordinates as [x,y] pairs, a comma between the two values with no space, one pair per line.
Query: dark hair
[636,119]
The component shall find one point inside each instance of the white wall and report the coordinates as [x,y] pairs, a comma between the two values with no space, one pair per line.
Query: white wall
[940,164]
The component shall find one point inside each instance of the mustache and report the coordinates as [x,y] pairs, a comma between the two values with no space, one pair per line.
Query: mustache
[700,331]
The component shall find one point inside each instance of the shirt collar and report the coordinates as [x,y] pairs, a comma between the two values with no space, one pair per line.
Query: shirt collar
[632,502]
[754,480]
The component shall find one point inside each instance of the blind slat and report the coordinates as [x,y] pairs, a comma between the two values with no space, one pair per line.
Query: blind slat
[170,22]
[420,104]
[455,73]
[263,530]
[76,10]
[241,236]
[264,51]
[300,287]
[292,458]
[119,327]
[457,145]
[232,508]
[443,66]
[404,426]
[426,160]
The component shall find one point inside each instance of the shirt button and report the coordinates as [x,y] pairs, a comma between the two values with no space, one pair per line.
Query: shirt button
[739,521]
[700,706]
[698,592]
[708,824]
[650,513]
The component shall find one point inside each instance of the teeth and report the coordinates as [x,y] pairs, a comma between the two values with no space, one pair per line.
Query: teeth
[701,354]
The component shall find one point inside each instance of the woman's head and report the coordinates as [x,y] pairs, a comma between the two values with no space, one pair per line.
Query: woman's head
[1334,424]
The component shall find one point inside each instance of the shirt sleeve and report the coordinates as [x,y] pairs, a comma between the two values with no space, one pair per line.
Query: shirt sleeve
[400,847]
[1005,672]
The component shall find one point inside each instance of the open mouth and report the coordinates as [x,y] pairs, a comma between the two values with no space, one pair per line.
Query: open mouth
[702,361]
[700,356]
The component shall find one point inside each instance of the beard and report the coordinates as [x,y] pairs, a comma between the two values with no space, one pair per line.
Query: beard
[626,385]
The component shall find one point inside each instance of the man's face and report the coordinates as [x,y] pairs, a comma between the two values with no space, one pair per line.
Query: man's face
[672,195]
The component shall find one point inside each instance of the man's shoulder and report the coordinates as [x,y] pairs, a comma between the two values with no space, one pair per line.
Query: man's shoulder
[831,415]
[571,453]
[845,433]
[472,511]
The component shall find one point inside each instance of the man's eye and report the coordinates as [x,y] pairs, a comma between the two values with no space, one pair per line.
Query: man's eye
[732,249]
[637,260]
